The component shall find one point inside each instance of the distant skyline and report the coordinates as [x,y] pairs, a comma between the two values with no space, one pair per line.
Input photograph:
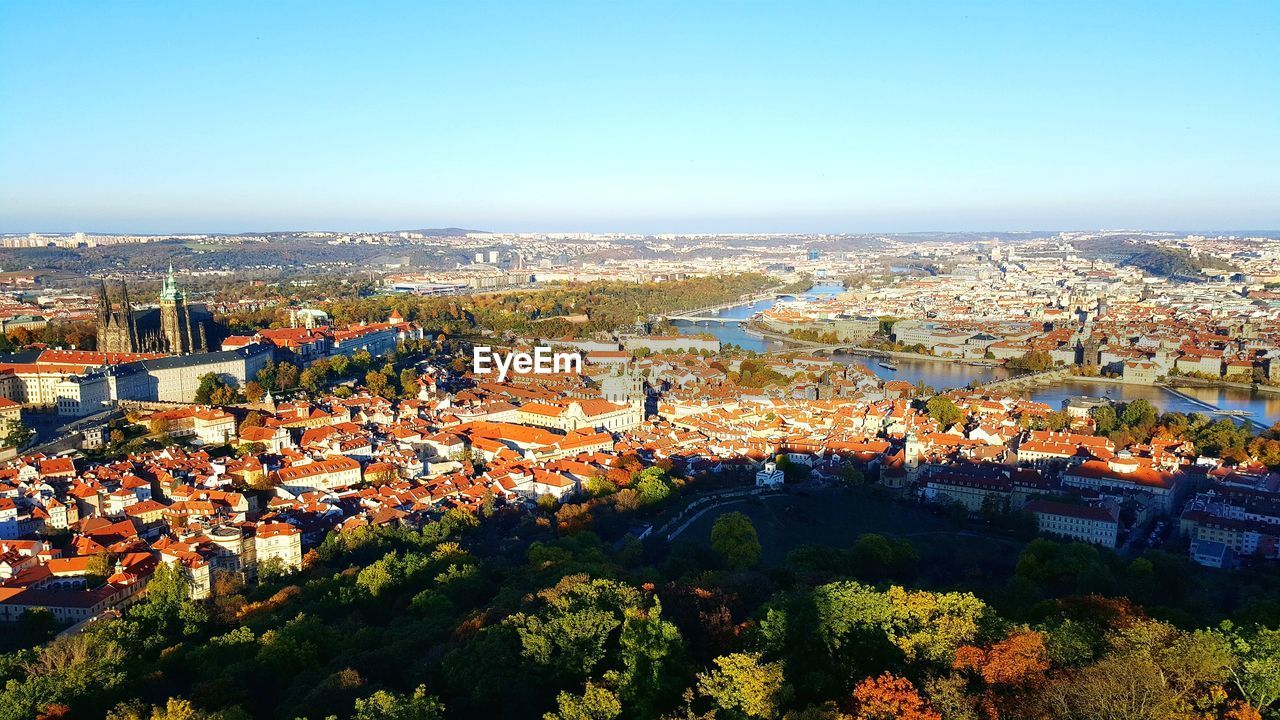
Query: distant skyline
[651,117]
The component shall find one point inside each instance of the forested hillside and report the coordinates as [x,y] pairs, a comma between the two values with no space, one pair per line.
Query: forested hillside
[517,617]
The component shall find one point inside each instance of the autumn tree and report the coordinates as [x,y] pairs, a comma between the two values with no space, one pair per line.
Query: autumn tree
[287,376]
[173,709]
[377,383]
[1019,659]
[101,565]
[251,419]
[1153,671]
[253,391]
[889,697]
[1012,670]
[408,382]
[215,390]
[55,711]
[573,518]
[266,376]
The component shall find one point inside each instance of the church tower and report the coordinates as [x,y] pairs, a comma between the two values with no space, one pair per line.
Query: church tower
[175,322]
[624,386]
[913,450]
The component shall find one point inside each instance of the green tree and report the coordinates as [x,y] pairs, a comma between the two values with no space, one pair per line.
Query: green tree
[408,382]
[388,705]
[215,390]
[1138,415]
[922,625]
[851,476]
[568,634]
[878,557]
[211,385]
[167,607]
[35,626]
[652,485]
[734,538]
[595,703]
[651,649]
[1255,666]
[599,486]
[100,567]
[267,376]
[943,411]
[1104,419]
[744,685]
[16,434]
[340,365]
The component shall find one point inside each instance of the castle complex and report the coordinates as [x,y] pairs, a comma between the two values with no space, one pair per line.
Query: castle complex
[119,330]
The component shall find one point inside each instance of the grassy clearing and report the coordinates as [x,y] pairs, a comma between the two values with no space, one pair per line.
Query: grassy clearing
[949,555]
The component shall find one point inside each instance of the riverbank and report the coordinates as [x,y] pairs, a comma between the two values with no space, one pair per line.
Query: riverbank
[944,373]
[773,293]
[866,351]
[1181,381]
[904,355]
[758,329]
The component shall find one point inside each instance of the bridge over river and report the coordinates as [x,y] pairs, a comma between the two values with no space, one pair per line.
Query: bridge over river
[1027,381]
[695,319]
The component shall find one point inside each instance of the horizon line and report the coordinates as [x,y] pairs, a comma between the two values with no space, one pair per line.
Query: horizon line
[238,233]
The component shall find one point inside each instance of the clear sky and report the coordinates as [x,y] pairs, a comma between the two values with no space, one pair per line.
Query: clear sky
[645,116]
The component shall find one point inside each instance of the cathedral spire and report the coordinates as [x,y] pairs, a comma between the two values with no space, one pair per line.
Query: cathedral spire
[170,291]
[104,305]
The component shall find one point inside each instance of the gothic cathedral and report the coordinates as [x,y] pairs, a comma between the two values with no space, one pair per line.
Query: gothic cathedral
[118,330]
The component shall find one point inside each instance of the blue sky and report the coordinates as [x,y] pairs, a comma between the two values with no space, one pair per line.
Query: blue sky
[649,116]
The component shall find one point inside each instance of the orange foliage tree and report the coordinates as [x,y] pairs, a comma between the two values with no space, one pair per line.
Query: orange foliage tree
[1018,660]
[1013,670]
[889,697]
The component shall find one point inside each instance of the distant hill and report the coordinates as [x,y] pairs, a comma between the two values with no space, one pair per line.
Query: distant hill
[1165,261]
[439,232]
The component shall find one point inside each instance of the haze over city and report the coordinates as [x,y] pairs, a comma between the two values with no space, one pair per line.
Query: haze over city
[657,117]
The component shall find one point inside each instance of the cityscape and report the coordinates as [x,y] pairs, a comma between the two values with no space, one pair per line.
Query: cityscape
[350,438]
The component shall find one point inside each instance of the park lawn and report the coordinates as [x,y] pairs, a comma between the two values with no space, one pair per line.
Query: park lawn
[950,556]
[196,246]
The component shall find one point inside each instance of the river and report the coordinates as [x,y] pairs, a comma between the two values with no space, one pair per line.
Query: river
[1263,408]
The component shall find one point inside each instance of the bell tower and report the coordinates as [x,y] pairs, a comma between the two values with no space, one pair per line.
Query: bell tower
[175,323]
